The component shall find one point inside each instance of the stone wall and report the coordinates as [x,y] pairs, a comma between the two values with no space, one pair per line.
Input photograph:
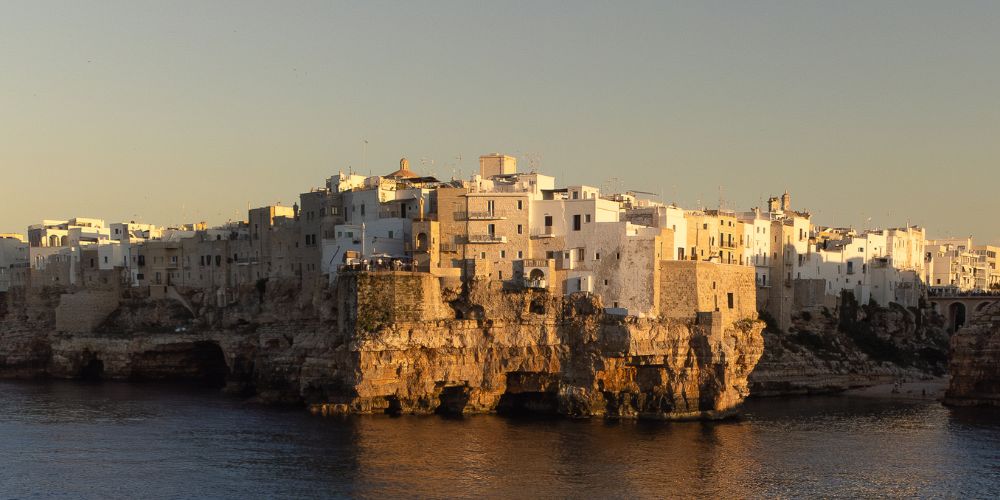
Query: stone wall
[82,311]
[809,293]
[688,287]
[384,298]
[975,361]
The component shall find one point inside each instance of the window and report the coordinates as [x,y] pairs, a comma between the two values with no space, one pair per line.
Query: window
[520,229]
[362,209]
[597,255]
[491,229]
[503,254]
[520,204]
[548,221]
[576,195]
[581,254]
[588,219]
[605,282]
[520,254]
[729,299]
[490,205]
[482,255]
[576,222]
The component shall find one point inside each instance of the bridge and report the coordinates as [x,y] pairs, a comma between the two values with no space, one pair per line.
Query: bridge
[958,308]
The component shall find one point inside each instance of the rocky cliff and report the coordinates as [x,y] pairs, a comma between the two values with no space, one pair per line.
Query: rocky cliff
[396,343]
[852,346]
[975,361]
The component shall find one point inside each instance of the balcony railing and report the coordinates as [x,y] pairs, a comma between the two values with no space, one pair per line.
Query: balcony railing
[529,283]
[487,238]
[484,215]
[449,247]
[536,263]
[547,232]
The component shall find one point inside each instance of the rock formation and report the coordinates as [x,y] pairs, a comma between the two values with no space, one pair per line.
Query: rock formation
[854,346]
[975,361]
[397,343]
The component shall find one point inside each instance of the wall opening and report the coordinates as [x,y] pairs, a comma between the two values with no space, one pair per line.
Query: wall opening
[956,311]
[452,400]
[92,370]
[529,393]
[201,362]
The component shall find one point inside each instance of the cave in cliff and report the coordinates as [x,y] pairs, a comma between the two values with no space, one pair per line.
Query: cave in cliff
[201,362]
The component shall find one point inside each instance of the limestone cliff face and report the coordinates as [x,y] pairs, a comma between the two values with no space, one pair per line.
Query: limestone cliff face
[531,351]
[399,343]
[854,346]
[975,361]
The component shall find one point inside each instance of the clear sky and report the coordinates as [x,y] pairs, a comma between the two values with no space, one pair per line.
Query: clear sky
[171,112]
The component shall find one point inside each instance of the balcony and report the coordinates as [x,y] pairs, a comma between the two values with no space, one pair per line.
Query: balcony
[487,215]
[536,262]
[538,284]
[548,232]
[449,247]
[487,238]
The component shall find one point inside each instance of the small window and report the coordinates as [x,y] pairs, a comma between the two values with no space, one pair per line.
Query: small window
[520,204]
[597,255]
[520,254]
[390,235]
[576,222]
[729,298]
[503,254]
[548,221]
[520,229]
[482,255]
[588,219]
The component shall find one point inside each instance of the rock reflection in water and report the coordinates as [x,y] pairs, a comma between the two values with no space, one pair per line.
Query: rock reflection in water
[121,440]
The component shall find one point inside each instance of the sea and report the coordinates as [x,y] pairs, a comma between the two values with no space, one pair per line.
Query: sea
[78,440]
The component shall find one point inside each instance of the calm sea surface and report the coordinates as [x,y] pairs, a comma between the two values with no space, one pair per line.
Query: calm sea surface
[69,440]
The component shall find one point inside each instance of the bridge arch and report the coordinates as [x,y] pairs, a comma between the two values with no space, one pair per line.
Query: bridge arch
[956,315]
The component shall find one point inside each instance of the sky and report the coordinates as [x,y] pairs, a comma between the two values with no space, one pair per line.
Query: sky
[875,113]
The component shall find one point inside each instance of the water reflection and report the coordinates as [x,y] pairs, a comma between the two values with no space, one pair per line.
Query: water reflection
[120,440]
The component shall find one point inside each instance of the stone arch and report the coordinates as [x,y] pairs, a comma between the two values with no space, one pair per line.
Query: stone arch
[422,241]
[956,315]
[983,305]
[53,241]
[63,241]
[536,274]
